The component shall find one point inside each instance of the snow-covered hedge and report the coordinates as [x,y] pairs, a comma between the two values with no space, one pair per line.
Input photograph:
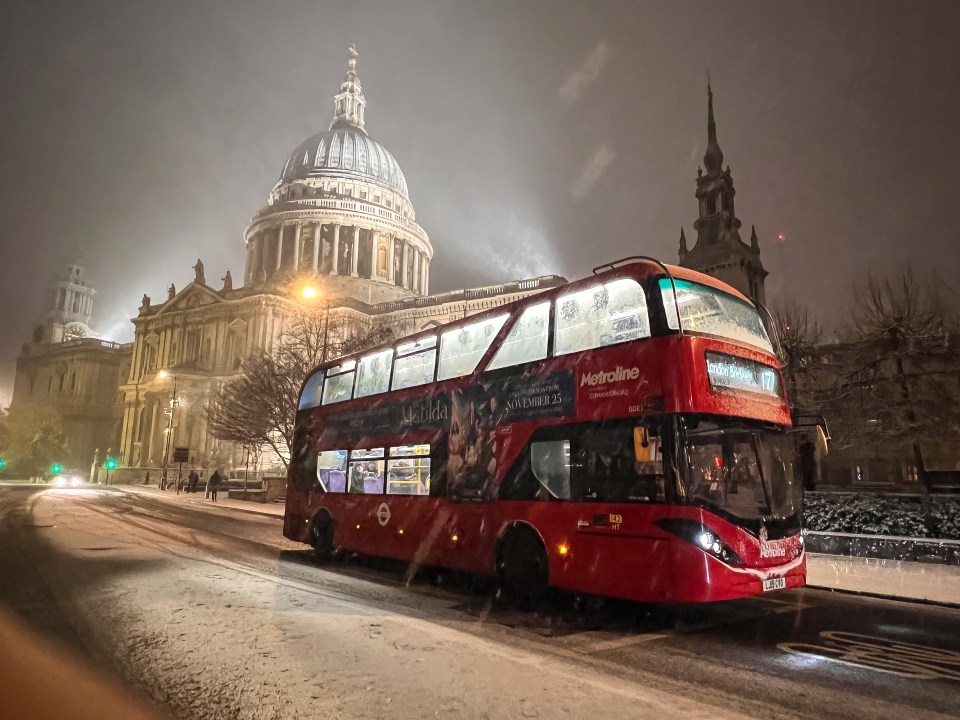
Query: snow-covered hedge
[878,515]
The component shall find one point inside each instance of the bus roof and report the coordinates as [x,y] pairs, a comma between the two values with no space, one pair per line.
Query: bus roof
[680,273]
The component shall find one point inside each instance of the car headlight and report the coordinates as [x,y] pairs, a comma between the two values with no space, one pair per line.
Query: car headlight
[75,481]
[60,482]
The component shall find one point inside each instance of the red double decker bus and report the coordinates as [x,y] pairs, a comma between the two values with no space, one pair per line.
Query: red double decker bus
[624,435]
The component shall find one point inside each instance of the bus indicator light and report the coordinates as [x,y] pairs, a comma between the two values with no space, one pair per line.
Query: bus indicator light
[454,538]
[563,549]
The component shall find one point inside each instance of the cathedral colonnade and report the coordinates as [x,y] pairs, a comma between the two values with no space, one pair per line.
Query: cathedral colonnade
[331,248]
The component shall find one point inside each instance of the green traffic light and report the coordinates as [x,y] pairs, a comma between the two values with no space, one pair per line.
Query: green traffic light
[56,468]
[2,463]
[110,464]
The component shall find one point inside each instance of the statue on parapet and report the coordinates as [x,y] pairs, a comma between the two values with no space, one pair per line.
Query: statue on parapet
[171,292]
[227,282]
[198,273]
[145,303]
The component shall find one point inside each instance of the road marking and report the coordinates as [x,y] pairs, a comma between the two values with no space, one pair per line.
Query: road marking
[881,654]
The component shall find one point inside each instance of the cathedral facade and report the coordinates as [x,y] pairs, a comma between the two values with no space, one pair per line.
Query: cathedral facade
[67,368]
[340,219]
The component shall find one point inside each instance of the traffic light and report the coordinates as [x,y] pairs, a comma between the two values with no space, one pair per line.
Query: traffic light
[110,464]
[2,463]
[56,468]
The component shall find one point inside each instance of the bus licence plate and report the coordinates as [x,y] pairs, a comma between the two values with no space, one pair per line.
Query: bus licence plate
[774,584]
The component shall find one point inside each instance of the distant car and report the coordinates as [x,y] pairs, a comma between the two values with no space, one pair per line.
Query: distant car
[68,481]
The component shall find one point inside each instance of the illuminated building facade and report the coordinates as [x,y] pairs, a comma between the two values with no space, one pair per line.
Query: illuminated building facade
[339,218]
[67,368]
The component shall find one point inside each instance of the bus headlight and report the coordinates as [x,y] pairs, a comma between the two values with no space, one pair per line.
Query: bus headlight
[701,536]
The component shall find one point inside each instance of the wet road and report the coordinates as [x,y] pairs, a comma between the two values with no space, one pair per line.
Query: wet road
[792,654]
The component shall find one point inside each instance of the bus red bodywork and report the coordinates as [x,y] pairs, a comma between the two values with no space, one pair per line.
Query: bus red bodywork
[615,549]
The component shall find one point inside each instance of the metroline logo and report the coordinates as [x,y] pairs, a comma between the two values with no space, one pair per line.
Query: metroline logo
[603,377]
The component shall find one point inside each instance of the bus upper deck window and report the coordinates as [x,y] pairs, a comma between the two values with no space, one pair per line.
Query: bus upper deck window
[415,363]
[312,391]
[708,310]
[373,373]
[527,339]
[602,315]
[339,384]
[462,348]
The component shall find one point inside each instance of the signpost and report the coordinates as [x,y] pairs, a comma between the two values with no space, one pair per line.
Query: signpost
[180,456]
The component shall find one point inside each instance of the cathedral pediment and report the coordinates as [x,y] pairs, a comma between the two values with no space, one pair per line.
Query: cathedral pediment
[191,297]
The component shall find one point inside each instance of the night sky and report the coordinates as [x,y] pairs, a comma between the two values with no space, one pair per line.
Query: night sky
[536,137]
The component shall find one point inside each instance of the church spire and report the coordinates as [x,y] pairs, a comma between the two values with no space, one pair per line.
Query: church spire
[683,246]
[713,158]
[349,104]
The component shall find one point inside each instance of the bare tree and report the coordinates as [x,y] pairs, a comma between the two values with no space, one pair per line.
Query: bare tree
[32,438]
[899,386]
[257,409]
[800,336]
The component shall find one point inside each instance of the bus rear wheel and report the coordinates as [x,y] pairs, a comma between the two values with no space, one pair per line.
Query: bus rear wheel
[523,569]
[321,535]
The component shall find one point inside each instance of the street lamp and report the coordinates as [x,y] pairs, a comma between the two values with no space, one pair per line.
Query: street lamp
[167,440]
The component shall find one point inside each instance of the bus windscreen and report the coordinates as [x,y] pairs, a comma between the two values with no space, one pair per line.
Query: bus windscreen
[713,312]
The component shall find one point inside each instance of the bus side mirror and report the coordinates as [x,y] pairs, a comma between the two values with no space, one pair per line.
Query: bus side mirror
[641,445]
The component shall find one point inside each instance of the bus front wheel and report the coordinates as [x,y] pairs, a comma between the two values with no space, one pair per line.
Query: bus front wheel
[523,570]
[321,535]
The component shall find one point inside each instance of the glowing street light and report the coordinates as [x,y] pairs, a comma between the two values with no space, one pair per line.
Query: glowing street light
[169,433]
[309,292]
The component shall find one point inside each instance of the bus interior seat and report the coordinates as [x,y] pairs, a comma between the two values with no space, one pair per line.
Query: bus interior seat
[373,484]
[337,481]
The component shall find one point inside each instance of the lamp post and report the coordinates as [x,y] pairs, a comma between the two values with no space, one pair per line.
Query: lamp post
[310,293]
[169,432]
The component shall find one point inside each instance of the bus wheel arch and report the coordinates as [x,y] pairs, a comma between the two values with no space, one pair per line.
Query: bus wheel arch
[321,534]
[522,564]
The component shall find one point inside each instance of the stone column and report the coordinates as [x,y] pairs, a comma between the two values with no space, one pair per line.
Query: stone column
[336,249]
[355,253]
[391,259]
[426,277]
[298,228]
[151,436]
[317,227]
[279,246]
[262,265]
[403,265]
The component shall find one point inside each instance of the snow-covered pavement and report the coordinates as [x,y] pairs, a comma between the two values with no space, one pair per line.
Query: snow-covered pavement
[214,615]
[211,638]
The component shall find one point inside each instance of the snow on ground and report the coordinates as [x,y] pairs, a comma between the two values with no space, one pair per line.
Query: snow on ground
[211,638]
